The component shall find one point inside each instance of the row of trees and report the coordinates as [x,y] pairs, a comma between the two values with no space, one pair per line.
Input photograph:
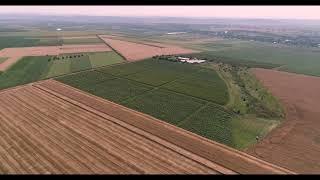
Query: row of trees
[65,57]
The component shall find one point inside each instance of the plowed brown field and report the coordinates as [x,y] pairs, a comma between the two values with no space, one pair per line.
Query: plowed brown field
[49,127]
[134,51]
[14,54]
[295,144]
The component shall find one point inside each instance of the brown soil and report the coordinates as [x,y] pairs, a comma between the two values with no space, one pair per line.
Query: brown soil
[14,54]
[295,144]
[134,51]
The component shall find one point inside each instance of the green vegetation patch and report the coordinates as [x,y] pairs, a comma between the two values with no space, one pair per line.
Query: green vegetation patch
[59,67]
[165,105]
[99,59]
[28,69]
[213,122]
[246,129]
[116,89]
[85,80]
[7,42]
[79,63]
[213,56]
[123,70]
[3,59]
[49,42]
[265,55]
[82,41]
[18,41]
[154,77]
[204,84]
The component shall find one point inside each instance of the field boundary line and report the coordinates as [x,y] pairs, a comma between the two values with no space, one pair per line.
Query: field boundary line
[112,48]
[136,42]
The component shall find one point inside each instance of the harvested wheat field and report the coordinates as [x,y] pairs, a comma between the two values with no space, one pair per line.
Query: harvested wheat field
[295,143]
[49,127]
[14,54]
[134,51]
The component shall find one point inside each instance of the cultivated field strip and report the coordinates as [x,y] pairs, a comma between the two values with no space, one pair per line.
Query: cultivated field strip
[15,54]
[133,51]
[221,156]
[40,133]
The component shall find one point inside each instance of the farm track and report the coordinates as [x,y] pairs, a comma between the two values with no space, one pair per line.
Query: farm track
[163,133]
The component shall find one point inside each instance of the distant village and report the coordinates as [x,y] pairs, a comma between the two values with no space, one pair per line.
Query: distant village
[180,59]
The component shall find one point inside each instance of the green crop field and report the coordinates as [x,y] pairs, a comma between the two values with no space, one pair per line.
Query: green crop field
[99,59]
[82,41]
[254,54]
[28,69]
[188,96]
[204,84]
[57,68]
[213,122]
[166,105]
[85,79]
[124,69]
[116,89]
[2,59]
[17,41]
[80,63]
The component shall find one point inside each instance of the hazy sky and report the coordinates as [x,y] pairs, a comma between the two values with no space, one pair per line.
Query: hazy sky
[295,12]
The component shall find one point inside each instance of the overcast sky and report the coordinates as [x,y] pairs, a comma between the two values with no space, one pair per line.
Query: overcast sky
[290,12]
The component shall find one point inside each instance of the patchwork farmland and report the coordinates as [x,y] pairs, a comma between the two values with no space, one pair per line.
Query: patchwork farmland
[34,68]
[51,128]
[133,51]
[181,94]
[15,54]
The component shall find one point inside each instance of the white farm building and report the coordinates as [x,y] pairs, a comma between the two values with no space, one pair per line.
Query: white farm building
[191,61]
